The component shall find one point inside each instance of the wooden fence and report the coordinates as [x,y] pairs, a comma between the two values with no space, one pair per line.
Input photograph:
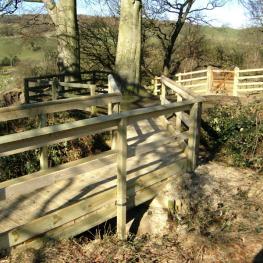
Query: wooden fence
[85,103]
[54,86]
[248,81]
[216,81]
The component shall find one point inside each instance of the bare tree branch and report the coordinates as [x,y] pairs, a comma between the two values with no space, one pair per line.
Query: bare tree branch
[9,6]
[173,14]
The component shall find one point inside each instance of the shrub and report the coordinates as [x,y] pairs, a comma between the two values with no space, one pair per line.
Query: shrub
[239,134]
[6,61]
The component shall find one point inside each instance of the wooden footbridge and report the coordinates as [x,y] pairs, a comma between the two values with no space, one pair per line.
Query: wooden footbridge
[66,200]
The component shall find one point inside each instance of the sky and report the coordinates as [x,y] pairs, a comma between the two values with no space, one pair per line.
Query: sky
[231,14]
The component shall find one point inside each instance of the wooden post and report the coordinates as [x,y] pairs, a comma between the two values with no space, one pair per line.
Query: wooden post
[44,149]
[178,116]
[113,108]
[93,93]
[209,79]
[236,77]
[26,91]
[163,94]
[179,78]
[110,106]
[121,179]
[94,79]
[192,148]
[54,87]
[156,85]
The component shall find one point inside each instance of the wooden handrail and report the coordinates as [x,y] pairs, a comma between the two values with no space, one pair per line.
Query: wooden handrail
[28,140]
[192,72]
[80,103]
[50,76]
[179,89]
[250,70]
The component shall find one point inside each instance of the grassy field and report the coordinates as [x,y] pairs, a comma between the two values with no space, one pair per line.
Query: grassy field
[25,49]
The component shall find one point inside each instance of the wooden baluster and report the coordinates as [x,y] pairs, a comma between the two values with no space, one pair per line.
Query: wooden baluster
[93,93]
[192,148]
[121,179]
[110,105]
[179,78]
[54,88]
[163,94]
[155,84]
[44,149]
[113,108]
[209,79]
[236,77]
[26,91]
[178,123]
[94,77]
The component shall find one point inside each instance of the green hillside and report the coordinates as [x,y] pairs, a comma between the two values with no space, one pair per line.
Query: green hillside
[33,49]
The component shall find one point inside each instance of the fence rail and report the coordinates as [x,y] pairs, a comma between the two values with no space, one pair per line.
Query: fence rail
[247,81]
[55,85]
[215,81]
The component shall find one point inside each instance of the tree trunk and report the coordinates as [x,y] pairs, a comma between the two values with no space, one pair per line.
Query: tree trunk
[65,20]
[128,57]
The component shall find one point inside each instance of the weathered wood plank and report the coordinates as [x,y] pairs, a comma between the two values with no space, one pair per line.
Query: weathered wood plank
[178,88]
[15,143]
[137,145]
[192,149]
[19,186]
[31,110]
[121,178]
[65,215]
[193,72]
[44,150]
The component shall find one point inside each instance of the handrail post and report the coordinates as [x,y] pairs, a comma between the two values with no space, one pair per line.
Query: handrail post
[235,86]
[178,122]
[44,149]
[94,79]
[179,78]
[113,108]
[155,84]
[192,148]
[121,179]
[93,93]
[26,91]
[54,88]
[163,94]
[110,105]
[209,79]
